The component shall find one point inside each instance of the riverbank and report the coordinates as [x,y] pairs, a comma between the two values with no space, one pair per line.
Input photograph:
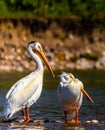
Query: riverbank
[65,46]
[48,124]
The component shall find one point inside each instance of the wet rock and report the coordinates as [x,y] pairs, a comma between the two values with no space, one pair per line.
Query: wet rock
[92,121]
[88,121]
[95,121]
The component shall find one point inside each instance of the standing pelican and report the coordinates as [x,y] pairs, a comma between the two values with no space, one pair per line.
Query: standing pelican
[70,93]
[27,90]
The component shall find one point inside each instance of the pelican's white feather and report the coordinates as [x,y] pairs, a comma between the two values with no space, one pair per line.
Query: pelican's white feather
[69,93]
[27,90]
[23,93]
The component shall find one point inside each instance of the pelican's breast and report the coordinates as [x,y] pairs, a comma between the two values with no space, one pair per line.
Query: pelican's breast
[70,96]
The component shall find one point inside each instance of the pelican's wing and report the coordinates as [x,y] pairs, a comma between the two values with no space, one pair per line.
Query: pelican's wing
[16,85]
[22,91]
[19,95]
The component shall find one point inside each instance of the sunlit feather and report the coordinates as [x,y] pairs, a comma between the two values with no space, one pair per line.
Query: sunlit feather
[27,90]
[70,93]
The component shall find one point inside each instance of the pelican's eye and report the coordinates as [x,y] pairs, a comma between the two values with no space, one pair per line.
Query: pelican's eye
[39,47]
[71,77]
[66,78]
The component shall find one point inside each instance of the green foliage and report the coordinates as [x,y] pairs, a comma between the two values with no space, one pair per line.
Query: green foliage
[92,56]
[92,11]
[3,7]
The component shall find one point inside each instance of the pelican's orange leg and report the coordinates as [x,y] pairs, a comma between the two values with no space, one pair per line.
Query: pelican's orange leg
[24,117]
[75,121]
[27,114]
[77,113]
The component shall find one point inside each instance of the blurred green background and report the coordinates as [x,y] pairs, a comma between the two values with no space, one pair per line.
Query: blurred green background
[91,11]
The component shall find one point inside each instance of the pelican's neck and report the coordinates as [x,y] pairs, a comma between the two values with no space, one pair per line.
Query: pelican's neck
[39,65]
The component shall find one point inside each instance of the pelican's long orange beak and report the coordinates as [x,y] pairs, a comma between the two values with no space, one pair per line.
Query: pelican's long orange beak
[45,60]
[87,95]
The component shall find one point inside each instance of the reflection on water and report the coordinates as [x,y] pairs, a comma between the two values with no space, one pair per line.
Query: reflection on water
[48,107]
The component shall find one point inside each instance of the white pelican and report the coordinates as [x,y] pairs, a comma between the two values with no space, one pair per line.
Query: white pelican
[70,94]
[27,90]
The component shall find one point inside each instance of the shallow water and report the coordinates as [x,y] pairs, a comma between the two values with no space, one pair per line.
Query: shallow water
[48,107]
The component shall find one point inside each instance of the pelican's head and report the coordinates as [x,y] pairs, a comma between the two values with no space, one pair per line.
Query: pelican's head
[37,49]
[65,77]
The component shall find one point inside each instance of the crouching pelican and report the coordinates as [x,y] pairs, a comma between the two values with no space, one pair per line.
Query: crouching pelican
[70,94]
[25,92]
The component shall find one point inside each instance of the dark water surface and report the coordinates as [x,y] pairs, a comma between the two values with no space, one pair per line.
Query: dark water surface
[48,107]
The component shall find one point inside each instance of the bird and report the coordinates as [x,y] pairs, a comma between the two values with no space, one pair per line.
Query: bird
[26,91]
[70,94]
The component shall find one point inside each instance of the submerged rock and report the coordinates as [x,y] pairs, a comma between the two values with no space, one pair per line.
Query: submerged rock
[95,121]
